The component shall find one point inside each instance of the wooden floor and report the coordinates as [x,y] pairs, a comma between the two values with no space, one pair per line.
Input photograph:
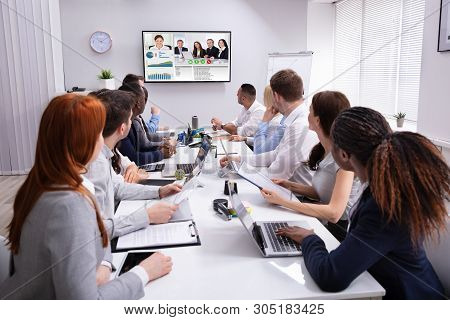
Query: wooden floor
[8,188]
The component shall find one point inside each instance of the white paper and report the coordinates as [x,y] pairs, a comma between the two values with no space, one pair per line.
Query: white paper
[159,235]
[263,181]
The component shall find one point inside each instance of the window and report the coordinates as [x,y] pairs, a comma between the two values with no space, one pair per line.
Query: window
[378,50]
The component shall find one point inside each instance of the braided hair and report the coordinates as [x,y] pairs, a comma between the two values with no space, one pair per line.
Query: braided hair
[408,176]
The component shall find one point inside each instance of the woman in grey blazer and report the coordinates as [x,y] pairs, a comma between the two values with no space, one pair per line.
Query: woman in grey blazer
[57,237]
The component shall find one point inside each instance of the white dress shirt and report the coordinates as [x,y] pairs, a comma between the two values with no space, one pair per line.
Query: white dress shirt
[248,120]
[109,186]
[286,161]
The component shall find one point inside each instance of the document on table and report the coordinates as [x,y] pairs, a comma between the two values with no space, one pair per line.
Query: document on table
[128,207]
[160,235]
[263,182]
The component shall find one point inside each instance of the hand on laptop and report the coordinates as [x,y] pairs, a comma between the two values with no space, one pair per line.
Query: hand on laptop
[103,275]
[273,197]
[131,174]
[226,160]
[161,212]
[169,190]
[295,233]
[157,265]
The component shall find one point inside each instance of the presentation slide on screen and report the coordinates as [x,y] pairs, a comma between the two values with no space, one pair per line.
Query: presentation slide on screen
[186,56]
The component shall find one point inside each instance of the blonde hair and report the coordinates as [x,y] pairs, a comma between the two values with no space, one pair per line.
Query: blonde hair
[268,96]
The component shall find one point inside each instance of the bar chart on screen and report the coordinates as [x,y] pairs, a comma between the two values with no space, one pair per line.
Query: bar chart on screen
[160,76]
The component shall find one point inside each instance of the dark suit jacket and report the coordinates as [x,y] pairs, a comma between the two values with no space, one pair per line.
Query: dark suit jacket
[138,148]
[202,53]
[224,54]
[213,52]
[381,247]
[177,51]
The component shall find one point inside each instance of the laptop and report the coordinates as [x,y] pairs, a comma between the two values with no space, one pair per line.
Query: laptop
[189,168]
[263,233]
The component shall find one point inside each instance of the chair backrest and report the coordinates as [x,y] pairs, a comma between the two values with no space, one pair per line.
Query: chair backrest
[4,259]
[438,254]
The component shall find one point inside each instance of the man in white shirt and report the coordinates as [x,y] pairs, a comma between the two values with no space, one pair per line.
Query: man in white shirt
[286,161]
[248,119]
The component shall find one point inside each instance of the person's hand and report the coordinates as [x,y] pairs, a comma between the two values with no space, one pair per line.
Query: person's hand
[155,110]
[131,174]
[217,123]
[237,138]
[161,212]
[167,149]
[226,160]
[143,174]
[102,275]
[169,190]
[269,114]
[206,56]
[157,265]
[283,183]
[272,197]
[295,233]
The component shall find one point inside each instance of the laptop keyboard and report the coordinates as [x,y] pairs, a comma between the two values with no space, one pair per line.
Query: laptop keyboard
[153,167]
[280,244]
[186,167]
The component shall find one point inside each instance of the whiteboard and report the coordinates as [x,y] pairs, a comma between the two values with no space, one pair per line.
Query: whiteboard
[299,62]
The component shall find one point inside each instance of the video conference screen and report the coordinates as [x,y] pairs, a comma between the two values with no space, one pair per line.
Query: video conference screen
[176,56]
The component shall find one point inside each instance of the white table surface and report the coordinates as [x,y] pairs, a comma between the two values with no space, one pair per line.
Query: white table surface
[228,265]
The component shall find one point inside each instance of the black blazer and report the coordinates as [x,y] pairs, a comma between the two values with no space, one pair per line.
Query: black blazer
[224,54]
[213,52]
[202,53]
[177,51]
[383,248]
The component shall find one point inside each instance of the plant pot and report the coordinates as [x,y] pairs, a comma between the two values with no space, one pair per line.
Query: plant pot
[107,84]
[400,122]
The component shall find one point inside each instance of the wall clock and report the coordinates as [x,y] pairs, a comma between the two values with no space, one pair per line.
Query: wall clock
[100,41]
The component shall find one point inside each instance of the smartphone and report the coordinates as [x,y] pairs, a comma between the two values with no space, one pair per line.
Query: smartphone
[133,259]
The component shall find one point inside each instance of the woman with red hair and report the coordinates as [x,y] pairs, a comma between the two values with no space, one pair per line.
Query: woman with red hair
[57,237]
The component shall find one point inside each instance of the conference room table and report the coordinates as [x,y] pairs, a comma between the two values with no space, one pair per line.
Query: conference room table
[228,264]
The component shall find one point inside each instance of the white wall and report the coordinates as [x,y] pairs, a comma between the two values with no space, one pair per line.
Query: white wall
[258,27]
[434,108]
[320,39]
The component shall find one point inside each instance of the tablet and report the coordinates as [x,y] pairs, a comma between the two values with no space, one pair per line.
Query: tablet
[133,259]
[156,182]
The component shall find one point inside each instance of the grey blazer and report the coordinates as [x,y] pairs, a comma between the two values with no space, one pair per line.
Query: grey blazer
[60,250]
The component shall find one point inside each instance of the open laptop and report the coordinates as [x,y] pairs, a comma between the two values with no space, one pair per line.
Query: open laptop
[188,168]
[263,234]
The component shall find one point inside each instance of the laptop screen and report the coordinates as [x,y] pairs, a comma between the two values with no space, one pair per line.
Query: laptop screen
[242,213]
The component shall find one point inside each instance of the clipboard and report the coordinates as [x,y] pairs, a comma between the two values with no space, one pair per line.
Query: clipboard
[195,241]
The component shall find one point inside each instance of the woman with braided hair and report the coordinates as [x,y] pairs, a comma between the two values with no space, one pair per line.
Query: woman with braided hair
[403,203]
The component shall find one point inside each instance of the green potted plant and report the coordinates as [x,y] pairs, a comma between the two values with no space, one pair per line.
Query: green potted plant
[400,118]
[106,79]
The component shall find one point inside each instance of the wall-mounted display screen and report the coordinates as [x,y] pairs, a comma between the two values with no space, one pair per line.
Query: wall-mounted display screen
[187,56]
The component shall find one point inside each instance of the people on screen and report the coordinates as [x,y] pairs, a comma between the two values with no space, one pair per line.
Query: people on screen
[198,51]
[286,161]
[223,49]
[270,129]
[212,51]
[334,188]
[57,236]
[180,47]
[406,181]
[248,119]
[159,44]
